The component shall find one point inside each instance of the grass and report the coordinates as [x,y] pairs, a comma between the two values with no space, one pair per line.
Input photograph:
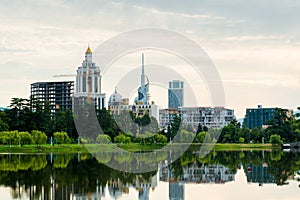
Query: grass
[132,147]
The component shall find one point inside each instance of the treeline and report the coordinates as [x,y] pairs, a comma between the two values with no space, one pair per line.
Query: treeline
[28,116]
[281,129]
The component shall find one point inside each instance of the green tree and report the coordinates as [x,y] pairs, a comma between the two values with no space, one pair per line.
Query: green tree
[103,139]
[161,139]
[62,137]
[122,139]
[25,138]
[39,137]
[275,139]
[201,136]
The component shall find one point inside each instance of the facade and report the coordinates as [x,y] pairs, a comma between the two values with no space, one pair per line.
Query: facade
[211,117]
[197,173]
[88,83]
[257,117]
[175,94]
[116,103]
[57,94]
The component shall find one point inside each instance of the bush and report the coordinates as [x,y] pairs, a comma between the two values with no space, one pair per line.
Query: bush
[39,137]
[25,138]
[62,137]
[122,139]
[159,138]
[103,139]
[275,139]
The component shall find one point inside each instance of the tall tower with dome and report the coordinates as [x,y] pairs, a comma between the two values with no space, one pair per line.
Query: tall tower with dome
[88,83]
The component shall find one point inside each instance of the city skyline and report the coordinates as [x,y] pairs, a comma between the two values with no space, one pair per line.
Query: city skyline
[255,46]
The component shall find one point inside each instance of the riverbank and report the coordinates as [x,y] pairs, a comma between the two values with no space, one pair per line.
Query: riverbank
[93,148]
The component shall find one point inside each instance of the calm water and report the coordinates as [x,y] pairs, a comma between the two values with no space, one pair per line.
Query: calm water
[220,175]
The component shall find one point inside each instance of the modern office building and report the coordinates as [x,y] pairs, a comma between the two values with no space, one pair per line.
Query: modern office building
[88,83]
[211,117]
[175,94]
[57,94]
[257,117]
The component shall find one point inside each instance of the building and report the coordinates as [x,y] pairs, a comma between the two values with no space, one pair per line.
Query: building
[257,117]
[211,117]
[88,83]
[166,117]
[116,103]
[175,94]
[57,94]
[142,105]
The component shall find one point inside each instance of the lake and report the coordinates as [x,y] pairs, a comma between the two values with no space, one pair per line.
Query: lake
[219,175]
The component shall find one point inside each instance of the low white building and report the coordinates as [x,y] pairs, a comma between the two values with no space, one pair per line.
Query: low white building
[211,117]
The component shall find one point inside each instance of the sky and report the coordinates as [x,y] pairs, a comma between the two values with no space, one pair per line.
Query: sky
[255,45]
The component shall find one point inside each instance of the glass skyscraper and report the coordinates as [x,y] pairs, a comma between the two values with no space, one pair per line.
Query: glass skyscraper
[175,94]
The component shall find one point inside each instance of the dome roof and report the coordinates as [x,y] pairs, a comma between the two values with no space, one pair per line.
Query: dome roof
[115,97]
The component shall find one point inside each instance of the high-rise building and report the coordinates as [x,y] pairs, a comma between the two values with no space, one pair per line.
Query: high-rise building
[175,94]
[142,101]
[257,117]
[57,94]
[88,83]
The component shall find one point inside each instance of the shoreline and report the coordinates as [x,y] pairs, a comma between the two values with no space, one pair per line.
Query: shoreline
[132,147]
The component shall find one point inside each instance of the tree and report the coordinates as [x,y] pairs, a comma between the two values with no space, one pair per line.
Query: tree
[39,137]
[103,139]
[3,121]
[122,139]
[275,139]
[282,125]
[201,137]
[159,138]
[62,137]
[25,138]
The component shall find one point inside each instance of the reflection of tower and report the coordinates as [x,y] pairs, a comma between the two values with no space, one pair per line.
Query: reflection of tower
[88,83]
[176,191]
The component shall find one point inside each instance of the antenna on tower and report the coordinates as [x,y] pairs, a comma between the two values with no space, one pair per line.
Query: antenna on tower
[143,71]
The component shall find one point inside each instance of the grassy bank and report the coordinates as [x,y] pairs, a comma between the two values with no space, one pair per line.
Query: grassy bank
[93,148]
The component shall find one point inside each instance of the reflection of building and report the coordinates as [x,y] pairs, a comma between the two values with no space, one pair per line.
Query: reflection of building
[88,83]
[199,174]
[175,94]
[176,191]
[258,174]
[216,117]
[57,94]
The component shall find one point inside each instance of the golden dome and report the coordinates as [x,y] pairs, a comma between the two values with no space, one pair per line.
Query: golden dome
[88,50]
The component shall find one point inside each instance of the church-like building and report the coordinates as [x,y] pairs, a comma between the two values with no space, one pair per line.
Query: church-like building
[88,83]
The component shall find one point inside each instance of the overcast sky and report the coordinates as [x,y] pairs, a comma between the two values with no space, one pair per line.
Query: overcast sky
[255,45]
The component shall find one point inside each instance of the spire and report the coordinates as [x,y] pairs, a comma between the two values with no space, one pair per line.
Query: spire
[88,50]
[143,72]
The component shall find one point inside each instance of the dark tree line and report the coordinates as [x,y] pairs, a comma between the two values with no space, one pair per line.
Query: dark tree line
[281,128]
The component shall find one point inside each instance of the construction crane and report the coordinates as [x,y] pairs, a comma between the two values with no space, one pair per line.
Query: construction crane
[74,75]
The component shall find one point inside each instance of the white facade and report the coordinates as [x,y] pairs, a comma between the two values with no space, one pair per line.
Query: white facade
[211,117]
[88,82]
